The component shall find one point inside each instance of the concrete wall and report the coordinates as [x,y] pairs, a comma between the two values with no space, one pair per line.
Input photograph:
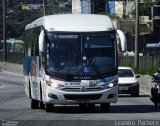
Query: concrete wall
[145,84]
[16,68]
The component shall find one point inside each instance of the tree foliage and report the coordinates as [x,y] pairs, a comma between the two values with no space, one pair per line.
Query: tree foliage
[16,22]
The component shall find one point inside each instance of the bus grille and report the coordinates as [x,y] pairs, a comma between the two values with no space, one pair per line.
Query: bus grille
[84,97]
[78,89]
[125,85]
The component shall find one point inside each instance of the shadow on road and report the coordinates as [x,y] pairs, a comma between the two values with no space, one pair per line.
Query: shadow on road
[134,109]
[128,95]
[114,109]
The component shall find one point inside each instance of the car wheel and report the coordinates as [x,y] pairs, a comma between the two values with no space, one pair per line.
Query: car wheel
[135,94]
[42,106]
[34,104]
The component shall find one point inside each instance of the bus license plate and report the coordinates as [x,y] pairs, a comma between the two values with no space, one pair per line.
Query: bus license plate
[123,88]
[83,101]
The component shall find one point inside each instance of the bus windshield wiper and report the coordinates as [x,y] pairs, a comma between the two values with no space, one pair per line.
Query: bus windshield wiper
[72,63]
[92,64]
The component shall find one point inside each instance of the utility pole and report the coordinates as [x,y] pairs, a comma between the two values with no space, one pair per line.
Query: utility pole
[44,8]
[4,31]
[124,8]
[137,36]
[92,6]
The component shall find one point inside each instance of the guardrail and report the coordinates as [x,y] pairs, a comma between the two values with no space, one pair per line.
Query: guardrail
[145,62]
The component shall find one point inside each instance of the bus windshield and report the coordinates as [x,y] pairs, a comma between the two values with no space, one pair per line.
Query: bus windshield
[80,54]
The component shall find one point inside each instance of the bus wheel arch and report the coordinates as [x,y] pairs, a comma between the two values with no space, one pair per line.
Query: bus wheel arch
[34,103]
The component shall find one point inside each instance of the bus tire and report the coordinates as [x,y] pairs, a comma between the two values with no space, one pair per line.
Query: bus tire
[30,90]
[49,107]
[42,106]
[105,107]
[34,104]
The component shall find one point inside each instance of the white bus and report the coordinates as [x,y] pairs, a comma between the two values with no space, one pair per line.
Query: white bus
[71,59]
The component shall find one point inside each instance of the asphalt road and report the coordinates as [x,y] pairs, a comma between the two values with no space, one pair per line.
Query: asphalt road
[15,105]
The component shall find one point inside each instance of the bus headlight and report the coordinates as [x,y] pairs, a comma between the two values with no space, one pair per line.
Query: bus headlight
[54,85]
[110,85]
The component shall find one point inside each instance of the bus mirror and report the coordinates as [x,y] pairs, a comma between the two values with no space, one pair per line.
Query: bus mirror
[123,40]
[41,41]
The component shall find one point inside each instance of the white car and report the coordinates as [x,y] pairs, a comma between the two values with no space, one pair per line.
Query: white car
[127,81]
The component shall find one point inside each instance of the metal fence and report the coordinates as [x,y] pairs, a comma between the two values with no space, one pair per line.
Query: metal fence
[12,56]
[145,62]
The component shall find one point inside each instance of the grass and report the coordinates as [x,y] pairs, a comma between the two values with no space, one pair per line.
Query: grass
[151,70]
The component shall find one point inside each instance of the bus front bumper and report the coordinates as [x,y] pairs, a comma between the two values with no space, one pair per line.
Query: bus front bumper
[55,96]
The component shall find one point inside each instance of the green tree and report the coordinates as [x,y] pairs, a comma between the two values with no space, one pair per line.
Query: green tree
[144,8]
[52,2]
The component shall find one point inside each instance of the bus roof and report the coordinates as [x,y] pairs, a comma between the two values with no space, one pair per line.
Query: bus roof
[74,23]
[153,45]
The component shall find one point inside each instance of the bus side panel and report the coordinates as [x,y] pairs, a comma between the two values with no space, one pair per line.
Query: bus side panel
[32,71]
[26,75]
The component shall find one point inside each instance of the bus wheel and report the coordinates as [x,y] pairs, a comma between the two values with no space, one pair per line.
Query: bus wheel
[42,106]
[34,104]
[49,107]
[105,107]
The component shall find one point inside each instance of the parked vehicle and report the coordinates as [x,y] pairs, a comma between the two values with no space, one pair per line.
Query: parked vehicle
[127,81]
[155,92]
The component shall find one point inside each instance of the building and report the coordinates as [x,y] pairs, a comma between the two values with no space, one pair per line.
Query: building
[66,4]
[113,7]
[30,7]
[81,6]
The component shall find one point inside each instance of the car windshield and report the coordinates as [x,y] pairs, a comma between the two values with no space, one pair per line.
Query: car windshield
[80,54]
[125,73]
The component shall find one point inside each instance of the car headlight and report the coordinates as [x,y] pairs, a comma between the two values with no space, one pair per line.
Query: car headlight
[109,85]
[55,85]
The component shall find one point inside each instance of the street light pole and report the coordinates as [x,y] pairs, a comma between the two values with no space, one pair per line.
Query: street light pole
[4,31]
[124,8]
[44,8]
[137,36]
